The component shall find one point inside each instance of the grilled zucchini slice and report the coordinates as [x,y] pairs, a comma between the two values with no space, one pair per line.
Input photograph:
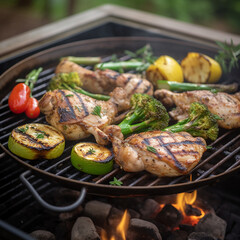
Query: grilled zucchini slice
[92,158]
[199,68]
[35,140]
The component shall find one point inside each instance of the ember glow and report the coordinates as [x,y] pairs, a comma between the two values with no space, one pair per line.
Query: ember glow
[184,199]
[121,228]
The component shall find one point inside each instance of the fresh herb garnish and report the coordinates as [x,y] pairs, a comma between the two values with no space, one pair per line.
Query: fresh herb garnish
[23,130]
[116,182]
[91,151]
[40,135]
[209,147]
[151,149]
[229,56]
[78,108]
[69,95]
[97,111]
[144,55]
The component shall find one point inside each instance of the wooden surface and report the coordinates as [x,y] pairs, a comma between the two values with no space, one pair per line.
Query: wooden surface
[122,15]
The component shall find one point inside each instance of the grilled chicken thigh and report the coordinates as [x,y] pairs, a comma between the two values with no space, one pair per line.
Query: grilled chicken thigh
[105,81]
[76,116]
[158,152]
[226,106]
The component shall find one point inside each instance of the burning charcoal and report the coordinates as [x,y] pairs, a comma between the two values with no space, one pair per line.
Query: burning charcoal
[84,229]
[169,216]
[98,212]
[200,236]
[192,211]
[187,228]
[115,217]
[42,235]
[178,235]
[150,209]
[213,225]
[133,213]
[142,230]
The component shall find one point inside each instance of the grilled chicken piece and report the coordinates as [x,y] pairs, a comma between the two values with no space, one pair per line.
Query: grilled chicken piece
[73,113]
[105,81]
[226,106]
[158,152]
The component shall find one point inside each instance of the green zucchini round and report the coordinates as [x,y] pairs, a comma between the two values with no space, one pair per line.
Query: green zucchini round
[34,140]
[92,158]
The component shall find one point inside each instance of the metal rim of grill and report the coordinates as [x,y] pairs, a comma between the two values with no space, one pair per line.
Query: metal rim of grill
[218,162]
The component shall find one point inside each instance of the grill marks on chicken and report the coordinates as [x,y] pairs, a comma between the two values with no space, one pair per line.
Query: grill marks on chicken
[68,104]
[174,154]
[226,106]
[72,113]
[105,81]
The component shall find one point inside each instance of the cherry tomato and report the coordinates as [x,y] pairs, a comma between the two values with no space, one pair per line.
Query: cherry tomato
[18,98]
[33,109]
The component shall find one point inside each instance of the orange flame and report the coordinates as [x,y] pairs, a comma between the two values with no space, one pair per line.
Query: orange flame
[188,198]
[121,228]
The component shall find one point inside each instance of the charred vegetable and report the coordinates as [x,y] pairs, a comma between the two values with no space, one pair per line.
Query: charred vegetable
[35,140]
[72,82]
[83,60]
[92,158]
[181,87]
[200,123]
[164,68]
[139,61]
[147,113]
[199,68]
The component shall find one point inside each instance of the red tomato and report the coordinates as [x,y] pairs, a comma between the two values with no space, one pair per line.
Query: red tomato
[32,110]
[18,98]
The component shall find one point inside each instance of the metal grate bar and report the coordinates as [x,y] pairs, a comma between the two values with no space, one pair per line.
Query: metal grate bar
[211,170]
[209,158]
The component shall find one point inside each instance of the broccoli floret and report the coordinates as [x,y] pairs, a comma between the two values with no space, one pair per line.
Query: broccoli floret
[65,80]
[72,82]
[147,113]
[200,123]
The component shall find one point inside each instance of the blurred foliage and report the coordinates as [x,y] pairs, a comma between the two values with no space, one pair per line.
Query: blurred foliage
[219,14]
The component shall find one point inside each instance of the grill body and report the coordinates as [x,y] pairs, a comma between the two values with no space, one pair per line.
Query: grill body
[218,162]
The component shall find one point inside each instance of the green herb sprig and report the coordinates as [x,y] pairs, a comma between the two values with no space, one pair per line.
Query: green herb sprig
[91,151]
[97,111]
[23,130]
[116,182]
[151,149]
[228,56]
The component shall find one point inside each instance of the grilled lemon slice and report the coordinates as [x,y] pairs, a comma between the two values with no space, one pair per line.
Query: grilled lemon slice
[199,68]
[164,68]
[35,140]
[92,158]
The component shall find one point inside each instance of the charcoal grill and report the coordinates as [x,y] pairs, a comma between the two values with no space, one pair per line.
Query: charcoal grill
[218,162]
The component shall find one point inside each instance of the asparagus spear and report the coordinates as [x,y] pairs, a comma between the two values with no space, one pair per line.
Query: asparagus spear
[125,65]
[175,86]
[83,60]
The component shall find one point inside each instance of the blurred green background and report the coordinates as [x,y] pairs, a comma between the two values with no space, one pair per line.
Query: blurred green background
[17,16]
